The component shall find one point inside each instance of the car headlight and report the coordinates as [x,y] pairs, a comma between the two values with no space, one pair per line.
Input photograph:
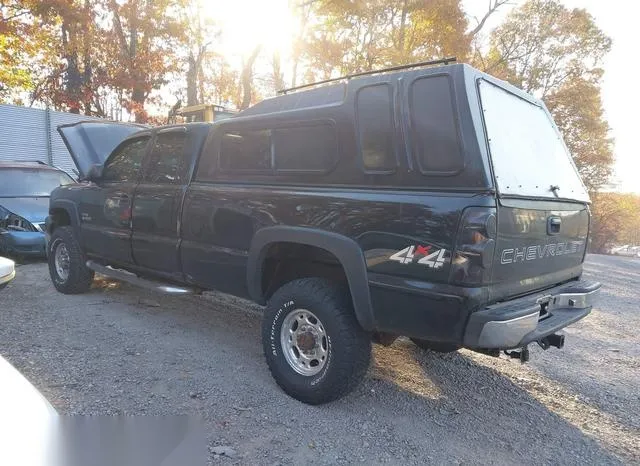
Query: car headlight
[12,222]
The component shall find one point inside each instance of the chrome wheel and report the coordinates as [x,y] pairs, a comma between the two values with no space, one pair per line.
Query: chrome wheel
[304,342]
[62,261]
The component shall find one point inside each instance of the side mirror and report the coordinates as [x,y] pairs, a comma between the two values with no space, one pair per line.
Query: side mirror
[95,173]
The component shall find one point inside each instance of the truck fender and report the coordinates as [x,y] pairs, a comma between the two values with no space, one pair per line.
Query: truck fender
[346,250]
[68,206]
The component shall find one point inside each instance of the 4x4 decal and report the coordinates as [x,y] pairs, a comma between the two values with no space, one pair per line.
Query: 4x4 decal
[423,254]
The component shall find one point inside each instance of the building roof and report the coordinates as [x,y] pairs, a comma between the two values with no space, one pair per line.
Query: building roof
[26,164]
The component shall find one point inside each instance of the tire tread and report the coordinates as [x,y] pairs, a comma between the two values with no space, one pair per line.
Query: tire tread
[356,342]
[80,276]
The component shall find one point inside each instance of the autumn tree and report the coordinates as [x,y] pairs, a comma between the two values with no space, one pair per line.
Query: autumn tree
[13,72]
[141,44]
[62,53]
[199,53]
[68,82]
[346,36]
[302,12]
[542,44]
[22,39]
[555,53]
[428,30]
[221,82]
[616,220]
[577,109]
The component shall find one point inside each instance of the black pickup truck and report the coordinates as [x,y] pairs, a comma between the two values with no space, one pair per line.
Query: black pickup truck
[437,203]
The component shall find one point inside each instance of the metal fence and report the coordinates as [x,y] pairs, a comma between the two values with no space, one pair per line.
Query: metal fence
[29,134]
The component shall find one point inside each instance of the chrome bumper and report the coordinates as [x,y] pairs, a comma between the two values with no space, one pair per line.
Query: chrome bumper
[513,324]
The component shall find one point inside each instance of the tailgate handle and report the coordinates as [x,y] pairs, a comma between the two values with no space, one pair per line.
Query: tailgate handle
[553,225]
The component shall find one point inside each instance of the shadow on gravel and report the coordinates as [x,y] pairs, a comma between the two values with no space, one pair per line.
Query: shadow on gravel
[461,391]
[461,384]
[203,355]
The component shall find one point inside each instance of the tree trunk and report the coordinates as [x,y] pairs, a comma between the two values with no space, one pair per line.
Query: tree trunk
[195,75]
[294,72]
[138,97]
[72,78]
[88,69]
[403,29]
[278,76]
[192,80]
[247,79]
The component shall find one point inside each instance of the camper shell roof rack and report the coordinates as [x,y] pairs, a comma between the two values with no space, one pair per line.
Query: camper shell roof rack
[440,61]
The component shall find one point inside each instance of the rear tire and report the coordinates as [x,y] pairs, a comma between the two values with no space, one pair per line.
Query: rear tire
[314,346]
[437,346]
[67,264]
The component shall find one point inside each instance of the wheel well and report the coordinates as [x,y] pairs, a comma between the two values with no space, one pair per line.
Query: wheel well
[284,262]
[60,218]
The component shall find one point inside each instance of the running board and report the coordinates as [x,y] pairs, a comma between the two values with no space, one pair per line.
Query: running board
[133,279]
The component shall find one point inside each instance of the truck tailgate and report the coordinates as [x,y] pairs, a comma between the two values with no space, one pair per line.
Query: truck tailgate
[539,244]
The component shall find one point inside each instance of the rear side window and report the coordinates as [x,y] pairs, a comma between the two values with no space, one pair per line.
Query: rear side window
[305,148]
[246,150]
[375,128]
[168,163]
[126,162]
[434,127]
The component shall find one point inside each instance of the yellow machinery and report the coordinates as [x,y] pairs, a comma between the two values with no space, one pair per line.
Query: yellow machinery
[195,113]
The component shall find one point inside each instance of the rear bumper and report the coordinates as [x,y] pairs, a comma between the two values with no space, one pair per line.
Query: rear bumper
[516,323]
[24,243]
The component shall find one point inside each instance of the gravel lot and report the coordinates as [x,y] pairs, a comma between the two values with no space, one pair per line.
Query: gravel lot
[123,350]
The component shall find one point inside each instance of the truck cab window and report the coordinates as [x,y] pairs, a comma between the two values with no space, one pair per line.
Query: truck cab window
[246,150]
[126,162]
[168,162]
[310,148]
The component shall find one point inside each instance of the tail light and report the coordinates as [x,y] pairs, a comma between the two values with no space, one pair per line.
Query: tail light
[475,246]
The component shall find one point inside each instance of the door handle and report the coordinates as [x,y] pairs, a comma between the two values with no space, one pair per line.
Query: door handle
[553,225]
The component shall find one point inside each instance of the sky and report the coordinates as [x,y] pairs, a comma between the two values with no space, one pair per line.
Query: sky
[270,20]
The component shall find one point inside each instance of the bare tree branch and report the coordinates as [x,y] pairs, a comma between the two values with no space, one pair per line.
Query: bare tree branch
[493,7]
[124,47]
[17,15]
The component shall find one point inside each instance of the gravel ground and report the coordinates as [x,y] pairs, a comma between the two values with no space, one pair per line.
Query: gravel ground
[121,350]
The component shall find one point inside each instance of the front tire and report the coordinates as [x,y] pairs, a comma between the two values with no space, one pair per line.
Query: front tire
[67,264]
[314,347]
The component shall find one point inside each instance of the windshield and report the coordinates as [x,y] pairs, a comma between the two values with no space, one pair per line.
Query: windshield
[528,154]
[30,182]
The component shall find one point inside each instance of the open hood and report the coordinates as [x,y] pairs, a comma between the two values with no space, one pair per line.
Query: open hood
[90,142]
